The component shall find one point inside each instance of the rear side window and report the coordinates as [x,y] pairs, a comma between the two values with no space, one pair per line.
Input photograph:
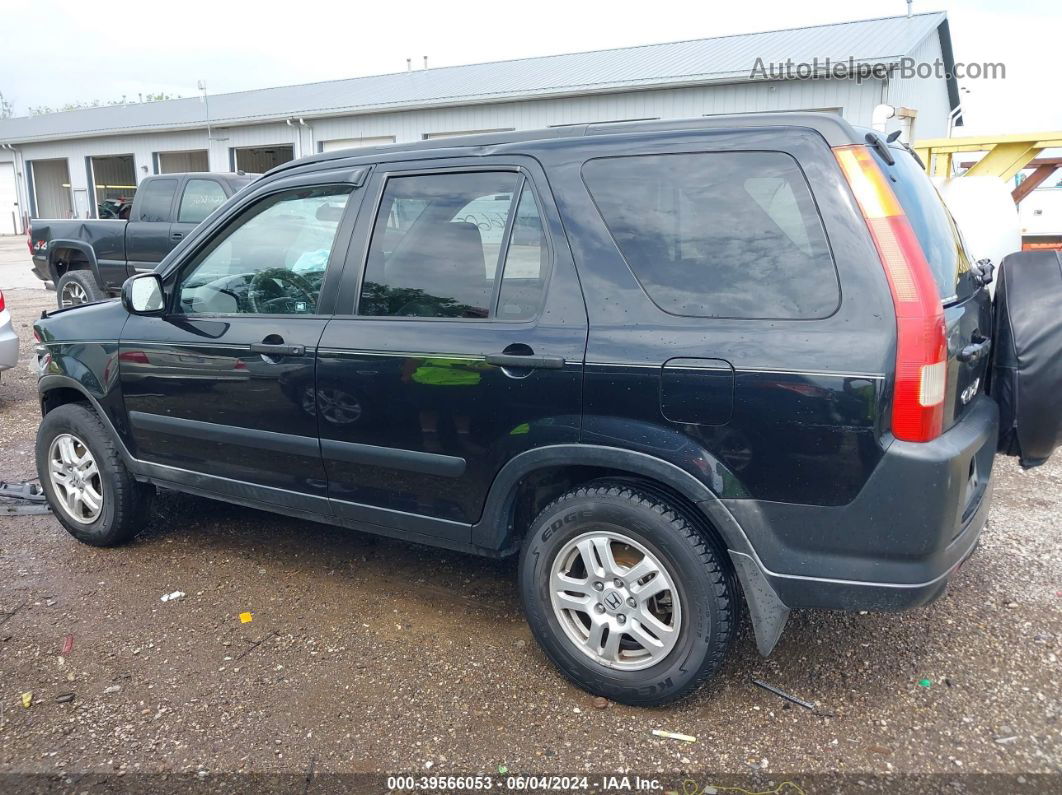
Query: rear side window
[719,234]
[933,225]
[442,242]
[201,197]
[155,199]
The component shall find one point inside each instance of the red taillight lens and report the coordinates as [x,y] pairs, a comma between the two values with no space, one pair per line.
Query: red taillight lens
[921,350]
[133,357]
[2,304]
[29,239]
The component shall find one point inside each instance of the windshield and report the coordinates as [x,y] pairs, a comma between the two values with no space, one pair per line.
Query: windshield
[933,225]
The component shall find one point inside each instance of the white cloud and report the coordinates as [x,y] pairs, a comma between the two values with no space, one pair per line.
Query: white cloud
[53,52]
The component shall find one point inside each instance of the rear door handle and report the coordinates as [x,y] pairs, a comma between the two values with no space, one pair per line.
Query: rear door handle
[269,349]
[974,351]
[176,235]
[529,362]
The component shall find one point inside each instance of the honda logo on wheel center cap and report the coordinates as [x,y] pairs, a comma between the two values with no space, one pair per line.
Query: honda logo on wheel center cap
[613,600]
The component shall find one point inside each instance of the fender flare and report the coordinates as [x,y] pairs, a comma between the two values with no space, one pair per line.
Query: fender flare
[76,245]
[49,382]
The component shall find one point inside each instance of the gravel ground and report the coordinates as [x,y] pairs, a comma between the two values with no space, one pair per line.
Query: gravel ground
[376,656]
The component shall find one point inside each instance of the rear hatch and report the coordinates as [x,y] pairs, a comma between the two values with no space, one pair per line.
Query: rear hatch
[967,303]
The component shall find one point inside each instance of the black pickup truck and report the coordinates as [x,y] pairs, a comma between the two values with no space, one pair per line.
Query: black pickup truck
[88,259]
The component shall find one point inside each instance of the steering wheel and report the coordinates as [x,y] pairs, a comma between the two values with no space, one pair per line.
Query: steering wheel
[266,296]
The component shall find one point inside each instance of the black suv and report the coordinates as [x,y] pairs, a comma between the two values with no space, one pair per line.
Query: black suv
[669,364]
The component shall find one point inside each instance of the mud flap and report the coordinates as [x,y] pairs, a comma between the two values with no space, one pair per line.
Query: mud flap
[1027,361]
[768,613]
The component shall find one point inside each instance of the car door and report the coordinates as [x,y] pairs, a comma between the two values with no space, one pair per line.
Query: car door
[199,197]
[461,344]
[147,235]
[219,391]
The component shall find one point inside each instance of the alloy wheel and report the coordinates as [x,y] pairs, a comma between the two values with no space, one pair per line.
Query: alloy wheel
[73,294]
[75,478]
[615,600]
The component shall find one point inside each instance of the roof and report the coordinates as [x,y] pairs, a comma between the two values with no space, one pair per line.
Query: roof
[832,127]
[697,61]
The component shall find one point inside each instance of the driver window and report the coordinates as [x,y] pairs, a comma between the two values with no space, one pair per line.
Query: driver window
[271,260]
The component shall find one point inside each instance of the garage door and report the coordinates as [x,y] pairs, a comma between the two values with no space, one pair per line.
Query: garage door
[259,159]
[51,188]
[353,143]
[10,215]
[183,162]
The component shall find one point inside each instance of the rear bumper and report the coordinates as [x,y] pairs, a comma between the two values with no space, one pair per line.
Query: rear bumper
[912,525]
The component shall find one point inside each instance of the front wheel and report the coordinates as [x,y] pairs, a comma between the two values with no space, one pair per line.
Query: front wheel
[90,490]
[626,597]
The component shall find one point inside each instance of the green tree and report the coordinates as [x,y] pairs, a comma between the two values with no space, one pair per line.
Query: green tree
[40,110]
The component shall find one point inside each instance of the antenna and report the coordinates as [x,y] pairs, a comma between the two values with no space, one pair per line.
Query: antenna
[409,64]
[909,4]
[425,61]
[201,85]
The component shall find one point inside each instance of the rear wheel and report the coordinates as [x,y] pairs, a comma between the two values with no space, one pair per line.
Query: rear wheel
[627,598]
[77,287]
[90,490]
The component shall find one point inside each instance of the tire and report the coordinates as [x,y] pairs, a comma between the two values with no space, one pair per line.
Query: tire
[694,568]
[77,287]
[124,503]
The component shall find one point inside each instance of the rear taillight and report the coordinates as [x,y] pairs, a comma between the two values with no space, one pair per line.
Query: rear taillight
[29,239]
[2,304]
[921,350]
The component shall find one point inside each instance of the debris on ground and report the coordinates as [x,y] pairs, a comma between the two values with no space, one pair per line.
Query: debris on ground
[673,736]
[112,689]
[600,703]
[169,597]
[5,617]
[502,770]
[925,683]
[64,698]
[245,618]
[68,645]
[782,694]
[27,699]
[254,646]
[22,498]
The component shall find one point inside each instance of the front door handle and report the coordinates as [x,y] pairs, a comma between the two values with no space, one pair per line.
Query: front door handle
[176,235]
[529,361]
[270,349]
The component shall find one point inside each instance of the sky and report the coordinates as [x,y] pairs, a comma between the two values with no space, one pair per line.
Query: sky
[53,52]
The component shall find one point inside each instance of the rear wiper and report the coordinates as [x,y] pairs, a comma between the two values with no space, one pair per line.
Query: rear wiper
[874,140]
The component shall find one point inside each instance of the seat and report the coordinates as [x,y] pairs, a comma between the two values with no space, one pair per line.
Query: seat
[442,260]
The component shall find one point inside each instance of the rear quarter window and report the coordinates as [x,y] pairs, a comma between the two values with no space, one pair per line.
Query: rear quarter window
[718,234]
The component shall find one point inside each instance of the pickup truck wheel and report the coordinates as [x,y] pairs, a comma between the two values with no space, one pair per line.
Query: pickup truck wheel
[91,492]
[77,287]
[628,599]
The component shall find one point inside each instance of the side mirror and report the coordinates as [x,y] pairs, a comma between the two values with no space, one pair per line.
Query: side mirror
[142,294]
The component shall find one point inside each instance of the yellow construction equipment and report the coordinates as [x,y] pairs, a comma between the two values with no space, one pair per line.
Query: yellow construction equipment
[1006,156]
